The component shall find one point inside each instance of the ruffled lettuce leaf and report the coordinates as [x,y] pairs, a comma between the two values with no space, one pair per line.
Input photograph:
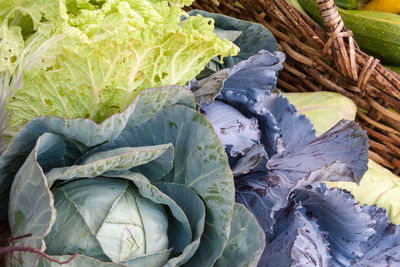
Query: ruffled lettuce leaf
[88,59]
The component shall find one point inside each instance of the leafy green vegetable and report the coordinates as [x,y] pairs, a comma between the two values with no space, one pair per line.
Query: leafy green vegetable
[239,249]
[150,186]
[88,59]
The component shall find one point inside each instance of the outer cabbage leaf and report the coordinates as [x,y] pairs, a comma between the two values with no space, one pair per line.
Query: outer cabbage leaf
[357,236]
[31,181]
[235,131]
[246,82]
[258,72]
[383,249]
[338,214]
[102,54]
[243,248]
[266,193]
[310,247]
[296,241]
[253,76]
[276,118]
[288,121]
[196,218]
[346,142]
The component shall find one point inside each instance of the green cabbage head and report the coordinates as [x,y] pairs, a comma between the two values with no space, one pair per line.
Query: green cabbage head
[89,58]
[150,186]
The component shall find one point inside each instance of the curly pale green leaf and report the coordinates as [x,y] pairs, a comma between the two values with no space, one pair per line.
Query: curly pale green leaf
[104,54]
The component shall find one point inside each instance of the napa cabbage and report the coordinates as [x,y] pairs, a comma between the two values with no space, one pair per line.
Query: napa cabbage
[89,59]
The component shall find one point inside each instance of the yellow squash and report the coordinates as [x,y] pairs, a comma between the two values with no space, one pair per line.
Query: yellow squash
[391,6]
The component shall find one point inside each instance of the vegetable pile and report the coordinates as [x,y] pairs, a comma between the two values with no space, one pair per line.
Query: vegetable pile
[127,141]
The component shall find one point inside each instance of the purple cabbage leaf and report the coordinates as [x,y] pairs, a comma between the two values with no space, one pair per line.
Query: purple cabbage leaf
[341,217]
[383,248]
[296,241]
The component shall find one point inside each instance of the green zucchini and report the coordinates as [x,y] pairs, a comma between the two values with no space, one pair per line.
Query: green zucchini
[297,5]
[347,4]
[377,33]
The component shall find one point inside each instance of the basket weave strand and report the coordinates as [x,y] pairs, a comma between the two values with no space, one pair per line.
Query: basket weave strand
[328,58]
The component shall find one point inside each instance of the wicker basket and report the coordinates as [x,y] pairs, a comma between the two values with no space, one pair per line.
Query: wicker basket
[351,72]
